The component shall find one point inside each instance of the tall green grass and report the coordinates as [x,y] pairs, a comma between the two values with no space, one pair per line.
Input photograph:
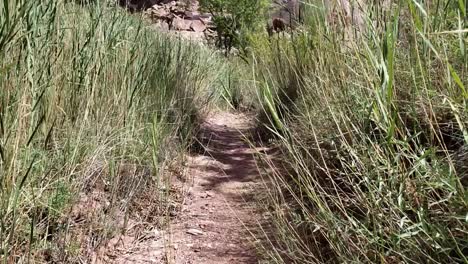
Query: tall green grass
[373,132]
[91,100]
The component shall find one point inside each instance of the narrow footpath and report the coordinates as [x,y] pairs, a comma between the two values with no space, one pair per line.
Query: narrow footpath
[219,209]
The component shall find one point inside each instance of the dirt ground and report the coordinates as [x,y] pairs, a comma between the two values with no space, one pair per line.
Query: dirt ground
[218,211]
[219,203]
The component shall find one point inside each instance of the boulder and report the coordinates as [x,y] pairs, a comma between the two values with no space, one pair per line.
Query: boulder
[181,24]
[197,26]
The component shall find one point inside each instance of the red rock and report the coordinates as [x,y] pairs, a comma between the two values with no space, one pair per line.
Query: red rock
[198,26]
[180,24]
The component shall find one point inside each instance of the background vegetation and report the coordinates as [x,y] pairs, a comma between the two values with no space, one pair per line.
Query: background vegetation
[93,106]
[235,21]
[372,127]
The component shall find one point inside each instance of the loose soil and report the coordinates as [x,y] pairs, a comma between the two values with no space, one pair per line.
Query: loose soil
[220,202]
[218,212]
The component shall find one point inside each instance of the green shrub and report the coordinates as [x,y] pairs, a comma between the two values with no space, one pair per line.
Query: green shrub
[234,20]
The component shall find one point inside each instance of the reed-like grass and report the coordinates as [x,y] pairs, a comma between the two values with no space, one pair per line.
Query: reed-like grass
[373,131]
[91,99]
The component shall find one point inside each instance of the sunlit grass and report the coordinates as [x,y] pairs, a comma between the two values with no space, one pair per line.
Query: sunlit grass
[373,137]
[88,95]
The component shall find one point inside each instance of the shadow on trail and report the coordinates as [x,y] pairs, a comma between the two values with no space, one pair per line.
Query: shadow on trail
[234,158]
[226,183]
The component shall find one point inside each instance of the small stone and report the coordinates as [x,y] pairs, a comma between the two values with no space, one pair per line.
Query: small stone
[207,195]
[194,232]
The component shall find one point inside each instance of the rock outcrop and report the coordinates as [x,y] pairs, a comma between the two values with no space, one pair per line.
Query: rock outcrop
[182,17]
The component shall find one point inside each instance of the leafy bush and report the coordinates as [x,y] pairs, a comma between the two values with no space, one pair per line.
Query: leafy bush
[234,20]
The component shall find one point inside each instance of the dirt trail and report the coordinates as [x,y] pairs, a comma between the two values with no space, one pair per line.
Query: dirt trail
[219,208]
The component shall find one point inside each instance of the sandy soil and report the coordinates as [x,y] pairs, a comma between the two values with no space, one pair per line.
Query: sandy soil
[219,203]
[218,211]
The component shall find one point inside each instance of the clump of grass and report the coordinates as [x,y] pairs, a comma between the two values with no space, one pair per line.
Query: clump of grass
[91,100]
[373,130]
